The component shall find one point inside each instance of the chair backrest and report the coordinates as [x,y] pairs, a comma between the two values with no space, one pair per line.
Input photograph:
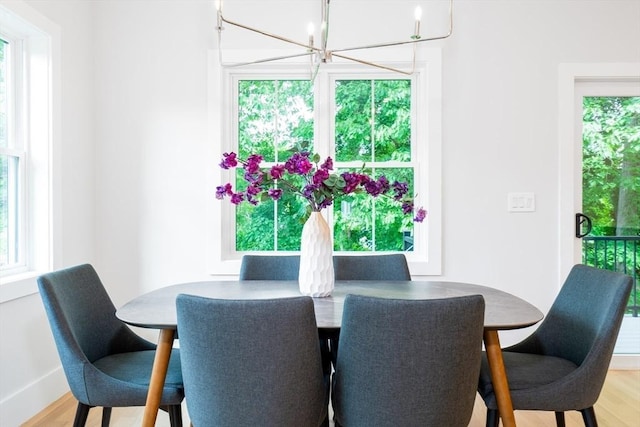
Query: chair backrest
[371,267]
[584,320]
[82,319]
[346,267]
[408,362]
[269,267]
[251,362]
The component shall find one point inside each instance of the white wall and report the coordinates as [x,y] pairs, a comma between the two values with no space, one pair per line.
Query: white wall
[30,374]
[136,152]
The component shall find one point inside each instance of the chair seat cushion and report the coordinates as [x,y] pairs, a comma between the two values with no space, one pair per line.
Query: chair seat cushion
[524,372]
[135,368]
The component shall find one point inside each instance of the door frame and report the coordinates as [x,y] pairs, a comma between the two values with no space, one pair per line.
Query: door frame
[570,160]
[570,155]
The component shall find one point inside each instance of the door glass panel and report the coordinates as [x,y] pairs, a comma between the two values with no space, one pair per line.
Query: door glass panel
[611,186]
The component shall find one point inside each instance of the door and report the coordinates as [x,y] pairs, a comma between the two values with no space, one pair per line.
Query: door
[607,218]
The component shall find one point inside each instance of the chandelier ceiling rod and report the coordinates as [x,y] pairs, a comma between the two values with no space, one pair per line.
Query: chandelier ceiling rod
[320,54]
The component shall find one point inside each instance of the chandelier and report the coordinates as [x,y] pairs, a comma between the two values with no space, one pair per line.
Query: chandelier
[320,53]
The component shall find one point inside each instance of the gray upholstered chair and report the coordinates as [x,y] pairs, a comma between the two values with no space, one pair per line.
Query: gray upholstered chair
[268,267]
[366,267]
[408,362]
[562,365]
[371,267]
[105,362]
[346,267]
[251,362]
[282,267]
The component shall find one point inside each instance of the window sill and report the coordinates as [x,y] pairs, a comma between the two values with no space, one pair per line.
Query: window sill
[18,286]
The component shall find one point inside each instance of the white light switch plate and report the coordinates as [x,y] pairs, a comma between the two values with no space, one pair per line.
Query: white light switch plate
[521,202]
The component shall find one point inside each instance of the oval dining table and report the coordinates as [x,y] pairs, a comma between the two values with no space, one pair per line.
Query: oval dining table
[157,310]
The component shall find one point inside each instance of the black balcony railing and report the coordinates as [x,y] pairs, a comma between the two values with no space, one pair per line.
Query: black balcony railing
[617,253]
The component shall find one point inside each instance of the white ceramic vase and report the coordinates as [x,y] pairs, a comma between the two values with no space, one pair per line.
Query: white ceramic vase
[316,276]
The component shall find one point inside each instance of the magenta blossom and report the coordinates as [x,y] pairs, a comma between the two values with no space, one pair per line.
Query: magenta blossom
[299,164]
[223,190]
[237,198]
[420,215]
[305,176]
[275,193]
[252,165]
[229,161]
[277,171]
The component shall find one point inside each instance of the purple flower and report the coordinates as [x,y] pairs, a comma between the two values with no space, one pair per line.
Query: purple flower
[376,188]
[327,165]
[229,161]
[400,189]
[299,164]
[253,189]
[325,203]
[237,198]
[308,190]
[313,181]
[420,215]
[223,190]
[253,178]
[352,181]
[275,193]
[277,171]
[320,176]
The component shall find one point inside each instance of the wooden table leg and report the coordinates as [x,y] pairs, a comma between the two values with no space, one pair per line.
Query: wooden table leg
[158,375]
[499,377]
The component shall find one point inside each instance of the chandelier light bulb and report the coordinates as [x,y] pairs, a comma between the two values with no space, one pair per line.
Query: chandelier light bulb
[418,15]
[310,30]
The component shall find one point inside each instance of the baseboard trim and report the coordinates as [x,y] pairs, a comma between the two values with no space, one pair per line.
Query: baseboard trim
[625,362]
[26,403]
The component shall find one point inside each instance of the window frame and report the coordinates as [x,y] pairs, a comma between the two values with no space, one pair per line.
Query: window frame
[426,148]
[40,130]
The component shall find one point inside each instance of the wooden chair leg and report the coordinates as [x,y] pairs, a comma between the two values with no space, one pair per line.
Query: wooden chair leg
[589,417]
[560,419]
[175,415]
[81,415]
[106,416]
[493,417]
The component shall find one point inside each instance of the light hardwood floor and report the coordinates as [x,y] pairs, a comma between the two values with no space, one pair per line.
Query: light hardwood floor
[618,406]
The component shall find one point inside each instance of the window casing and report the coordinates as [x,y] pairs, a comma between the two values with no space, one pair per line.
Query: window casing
[31,117]
[420,162]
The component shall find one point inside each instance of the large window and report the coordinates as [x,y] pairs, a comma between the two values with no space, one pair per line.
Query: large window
[371,127]
[386,123]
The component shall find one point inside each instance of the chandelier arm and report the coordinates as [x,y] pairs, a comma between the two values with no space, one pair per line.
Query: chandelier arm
[261,61]
[373,64]
[265,33]
[399,43]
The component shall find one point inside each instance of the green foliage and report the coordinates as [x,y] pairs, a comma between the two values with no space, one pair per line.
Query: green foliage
[611,164]
[373,115]
[274,117]
[611,185]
